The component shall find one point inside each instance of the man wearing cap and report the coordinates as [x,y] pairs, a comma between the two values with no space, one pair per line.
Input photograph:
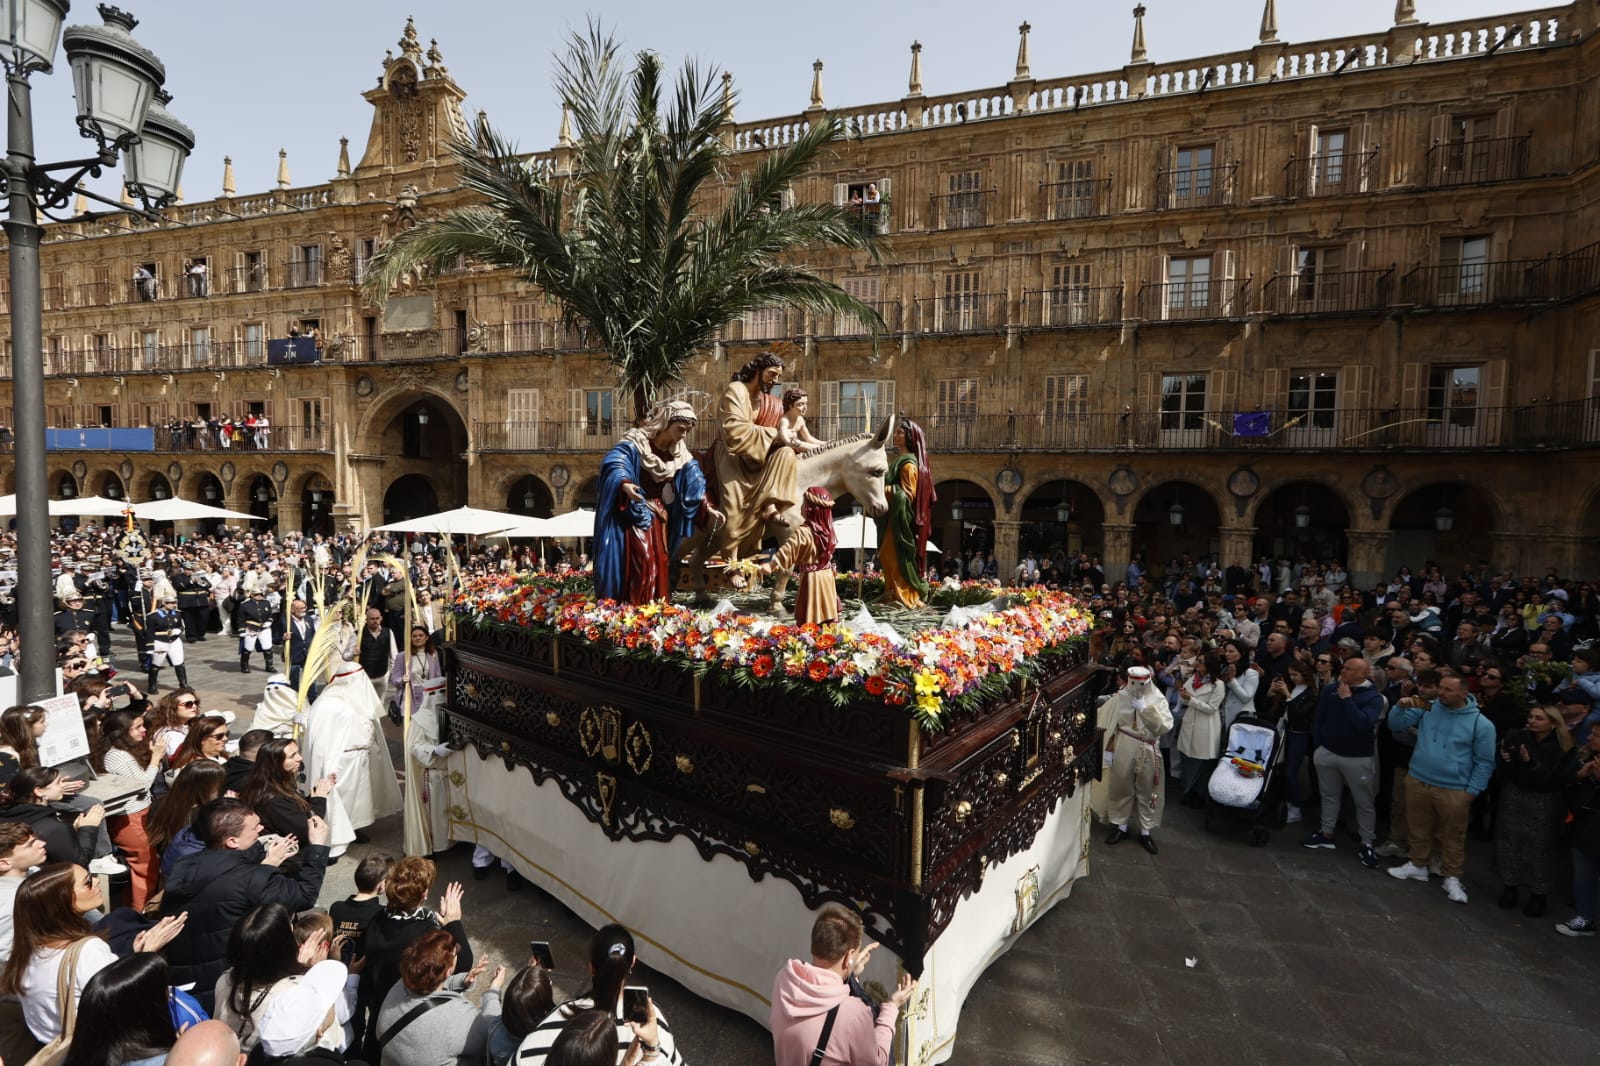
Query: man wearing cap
[1579,712]
[256,617]
[74,615]
[1134,721]
[194,599]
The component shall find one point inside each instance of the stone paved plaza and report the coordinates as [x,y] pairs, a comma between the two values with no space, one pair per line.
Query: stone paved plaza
[1300,956]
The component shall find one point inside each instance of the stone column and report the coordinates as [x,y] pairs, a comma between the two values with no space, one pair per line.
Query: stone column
[291,513]
[1523,553]
[1238,544]
[1117,550]
[1369,552]
[1005,549]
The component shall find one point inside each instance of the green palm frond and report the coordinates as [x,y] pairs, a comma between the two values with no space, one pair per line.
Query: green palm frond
[641,237]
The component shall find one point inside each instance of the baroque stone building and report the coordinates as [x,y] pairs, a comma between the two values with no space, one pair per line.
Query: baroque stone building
[1336,298]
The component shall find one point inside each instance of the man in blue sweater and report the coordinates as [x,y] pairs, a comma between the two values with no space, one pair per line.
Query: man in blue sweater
[1451,764]
[1344,730]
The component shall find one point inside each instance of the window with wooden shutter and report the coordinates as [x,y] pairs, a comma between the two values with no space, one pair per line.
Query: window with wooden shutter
[956,411]
[1313,399]
[592,418]
[765,323]
[312,431]
[1194,174]
[1183,404]
[1074,193]
[255,341]
[961,307]
[864,287]
[1319,281]
[1454,396]
[1463,270]
[1069,301]
[522,419]
[1189,289]
[1066,408]
[524,326]
[857,406]
[963,202]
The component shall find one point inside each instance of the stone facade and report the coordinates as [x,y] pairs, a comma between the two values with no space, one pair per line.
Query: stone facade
[1335,298]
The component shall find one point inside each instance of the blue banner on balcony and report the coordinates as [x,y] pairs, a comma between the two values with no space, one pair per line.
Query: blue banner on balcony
[1252,423]
[293,350]
[100,440]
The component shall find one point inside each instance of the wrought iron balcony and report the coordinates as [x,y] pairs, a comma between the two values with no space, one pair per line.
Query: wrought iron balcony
[1183,187]
[1477,162]
[1071,428]
[978,312]
[768,324]
[302,273]
[1175,301]
[1064,201]
[1334,174]
[1065,308]
[963,210]
[1337,292]
[873,218]
[1507,282]
[830,326]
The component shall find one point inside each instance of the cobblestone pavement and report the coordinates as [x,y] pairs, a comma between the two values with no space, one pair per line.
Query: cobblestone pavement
[1301,956]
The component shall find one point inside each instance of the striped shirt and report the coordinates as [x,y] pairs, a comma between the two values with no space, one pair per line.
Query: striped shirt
[536,1045]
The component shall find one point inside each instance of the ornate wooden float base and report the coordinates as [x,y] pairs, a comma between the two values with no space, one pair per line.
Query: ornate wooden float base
[713,820]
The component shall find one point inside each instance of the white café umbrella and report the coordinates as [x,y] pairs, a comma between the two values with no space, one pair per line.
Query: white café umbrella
[85,506]
[848,533]
[579,523]
[462,521]
[174,509]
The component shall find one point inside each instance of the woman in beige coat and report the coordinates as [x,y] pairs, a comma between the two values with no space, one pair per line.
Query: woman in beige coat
[1200,737]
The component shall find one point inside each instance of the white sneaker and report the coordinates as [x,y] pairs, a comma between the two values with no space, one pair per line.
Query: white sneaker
[1408,872]
[1390,850]
[1293,816]
[1453,889]
[108,865]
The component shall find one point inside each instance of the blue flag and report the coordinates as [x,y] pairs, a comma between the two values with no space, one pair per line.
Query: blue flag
[1252,423]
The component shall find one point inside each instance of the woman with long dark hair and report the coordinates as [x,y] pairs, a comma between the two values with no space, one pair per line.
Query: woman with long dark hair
[168,827]
[124,749]
[49,929]
[611,961]
[169,719]
[67,835]
[528,997]
[902,546]
[20,730]
[207,739]
[264,960]
[272,791]
[123,1017]
[420,662]
[1200,734]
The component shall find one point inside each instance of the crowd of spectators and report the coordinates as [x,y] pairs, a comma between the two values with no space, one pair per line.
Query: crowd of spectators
[1441,707]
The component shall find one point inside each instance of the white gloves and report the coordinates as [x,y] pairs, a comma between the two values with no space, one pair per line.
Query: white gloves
[442,750]
[1138,702]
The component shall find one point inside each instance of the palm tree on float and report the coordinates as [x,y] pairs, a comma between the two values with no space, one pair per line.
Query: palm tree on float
[618,240]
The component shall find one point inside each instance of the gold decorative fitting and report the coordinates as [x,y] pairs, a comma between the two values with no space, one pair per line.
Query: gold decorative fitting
[1002,779]
[470,689]
[1079,720]
[752,848]
[841,818]
[1016,741]
[963,811]
[553,719]
[638,747]
[505,745]
[759,790]
[685,764]
[1055,737]
[607,786]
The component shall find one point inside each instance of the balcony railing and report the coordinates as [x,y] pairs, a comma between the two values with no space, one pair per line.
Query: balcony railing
[1549,427]
[963,210]
[846,326]
[199,437]
[1174,301]
[1330,293]
[1196,186]
[772,324]
[870,218]
[250,278]
[1073,306]
[1476,162]
[978,312]
[1335,174]
[1068,200]
[302,273]
[1506,282]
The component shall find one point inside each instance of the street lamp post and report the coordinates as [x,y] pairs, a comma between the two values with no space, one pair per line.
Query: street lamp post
[114,80]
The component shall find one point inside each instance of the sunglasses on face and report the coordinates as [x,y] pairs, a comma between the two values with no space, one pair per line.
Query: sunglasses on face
[188,703]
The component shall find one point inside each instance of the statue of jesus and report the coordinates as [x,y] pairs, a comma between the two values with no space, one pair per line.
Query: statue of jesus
[757,468]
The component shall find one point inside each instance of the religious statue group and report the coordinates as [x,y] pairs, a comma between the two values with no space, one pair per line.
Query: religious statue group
[656,497]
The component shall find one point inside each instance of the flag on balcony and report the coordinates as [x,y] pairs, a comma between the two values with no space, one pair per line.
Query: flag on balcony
[1252,423]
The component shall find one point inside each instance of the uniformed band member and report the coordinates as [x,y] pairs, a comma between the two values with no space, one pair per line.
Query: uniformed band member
[166,628]
[194,599]
[143,603]
[256,616]
[74,615]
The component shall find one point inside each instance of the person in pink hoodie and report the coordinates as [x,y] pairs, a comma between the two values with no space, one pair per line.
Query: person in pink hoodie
[805,996]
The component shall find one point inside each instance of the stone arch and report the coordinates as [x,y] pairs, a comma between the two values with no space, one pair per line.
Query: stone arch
[1277,516]
[410,496]
[388,406]
[1414,523]
[525,494]
[1085,478]
[196,482]
[1200,532]
[975,530]
[57,479]
[1354,504]
[302,482]
[150,482]
[108,482]
[587,493]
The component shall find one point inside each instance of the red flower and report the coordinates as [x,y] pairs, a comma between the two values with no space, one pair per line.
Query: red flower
[761,666]
[875,684]
[592,632]
[818,670]
[826,641]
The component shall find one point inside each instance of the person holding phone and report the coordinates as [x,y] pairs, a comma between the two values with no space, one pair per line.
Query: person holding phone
[818,1008]
[1527,827]
[426,1017]
[611,961]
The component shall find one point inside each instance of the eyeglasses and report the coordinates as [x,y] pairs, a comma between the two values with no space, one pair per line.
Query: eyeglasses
[1324,662]
[217,736]
[1491,677]
[75,664]
[188,703]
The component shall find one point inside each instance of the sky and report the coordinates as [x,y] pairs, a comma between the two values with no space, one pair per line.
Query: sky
[251,78]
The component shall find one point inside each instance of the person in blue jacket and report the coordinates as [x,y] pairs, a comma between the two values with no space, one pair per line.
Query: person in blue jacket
[1344,729]
[1451,764]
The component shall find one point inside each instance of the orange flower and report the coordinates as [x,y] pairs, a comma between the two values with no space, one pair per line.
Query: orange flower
[818,670]
[875,684]
[761,666]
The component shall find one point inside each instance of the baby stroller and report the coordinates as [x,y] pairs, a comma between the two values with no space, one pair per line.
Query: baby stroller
[1248,781]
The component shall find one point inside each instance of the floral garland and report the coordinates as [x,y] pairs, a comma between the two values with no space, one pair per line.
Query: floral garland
[931,671]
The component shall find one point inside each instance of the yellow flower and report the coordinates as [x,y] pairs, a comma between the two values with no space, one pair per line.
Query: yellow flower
[928,704]
[927,686]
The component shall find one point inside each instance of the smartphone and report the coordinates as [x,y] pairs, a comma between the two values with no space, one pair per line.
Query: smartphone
[540,949]
[635,1003]
[117,690]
